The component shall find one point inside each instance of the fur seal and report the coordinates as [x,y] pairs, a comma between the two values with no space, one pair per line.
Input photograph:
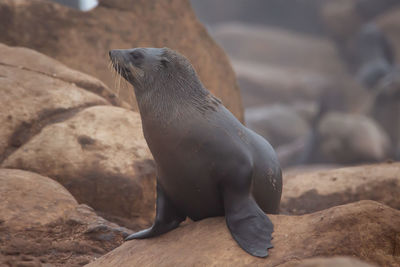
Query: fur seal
[208,163]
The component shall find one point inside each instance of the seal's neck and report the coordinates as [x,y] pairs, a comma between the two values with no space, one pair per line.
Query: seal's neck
[165,101]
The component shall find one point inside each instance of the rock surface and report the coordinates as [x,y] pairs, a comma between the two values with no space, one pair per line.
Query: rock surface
[33,61]
[28,199]
[366,230]
[101,157]
[318,190]
[33,95]
[328,262]
[82,40]
[62,123]
[41,224]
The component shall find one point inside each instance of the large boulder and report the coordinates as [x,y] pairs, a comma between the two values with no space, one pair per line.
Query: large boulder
[366,230]
[350,138]
[310,191]
[342,261]
[37,90]
[65,124]
[101,157]
[28,199]
[41,223]
[33,61]
[82,40]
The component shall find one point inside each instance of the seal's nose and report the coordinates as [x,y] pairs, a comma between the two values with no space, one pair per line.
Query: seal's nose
[110,53]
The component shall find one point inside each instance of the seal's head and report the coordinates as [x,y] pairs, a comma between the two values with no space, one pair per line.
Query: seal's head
[147,68]
[162,79]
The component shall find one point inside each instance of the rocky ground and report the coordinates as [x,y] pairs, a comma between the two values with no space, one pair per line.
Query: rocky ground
[76,175]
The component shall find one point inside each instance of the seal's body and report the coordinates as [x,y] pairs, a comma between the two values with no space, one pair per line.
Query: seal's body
[208,163]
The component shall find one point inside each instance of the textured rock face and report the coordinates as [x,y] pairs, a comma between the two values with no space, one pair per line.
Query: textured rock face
[30,60]
[348,138]
[318,190]
[41,223]
[82,40]
[344,230]
[28,199]
[61,123]
[328,262]
[100,156]
[32,95]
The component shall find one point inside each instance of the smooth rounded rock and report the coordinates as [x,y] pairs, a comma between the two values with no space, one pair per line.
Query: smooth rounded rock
[355,229]
[101,157]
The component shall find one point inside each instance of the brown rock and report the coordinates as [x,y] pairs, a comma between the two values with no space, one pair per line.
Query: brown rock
[367,230]
[31,60]
[28,199]
[318,190]
[35,91]
[328,262]
[82,40]
[101,157]
[41,224]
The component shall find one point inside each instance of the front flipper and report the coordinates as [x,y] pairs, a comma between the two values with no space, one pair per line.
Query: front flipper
[167,218]
[248,224]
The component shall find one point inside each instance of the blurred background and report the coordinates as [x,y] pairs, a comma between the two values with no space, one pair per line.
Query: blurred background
[319,79]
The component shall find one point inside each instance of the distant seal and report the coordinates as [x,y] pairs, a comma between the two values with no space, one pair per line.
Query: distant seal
[208,163]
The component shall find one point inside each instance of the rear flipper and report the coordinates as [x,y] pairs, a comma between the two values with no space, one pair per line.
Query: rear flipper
[248,224]
[167,218]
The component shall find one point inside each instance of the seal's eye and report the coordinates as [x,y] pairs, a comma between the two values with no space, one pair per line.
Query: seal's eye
[164,61]
[136,55]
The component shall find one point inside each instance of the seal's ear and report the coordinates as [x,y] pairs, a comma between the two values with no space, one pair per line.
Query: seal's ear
[164,61]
